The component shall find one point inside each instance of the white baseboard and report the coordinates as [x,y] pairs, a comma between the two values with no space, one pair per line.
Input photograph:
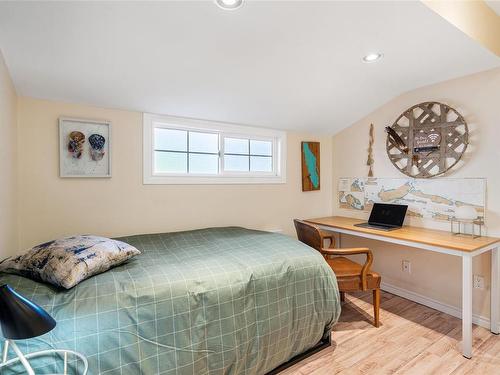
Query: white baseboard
[432,303]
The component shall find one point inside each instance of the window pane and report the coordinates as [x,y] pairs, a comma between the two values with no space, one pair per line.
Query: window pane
[203,163]
[170,162]
[261,164]
[236,163]
[236,146]
[261,148]
[203,142]
[172,140]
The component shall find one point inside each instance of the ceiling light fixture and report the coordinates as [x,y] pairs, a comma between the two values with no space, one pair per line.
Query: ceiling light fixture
[229,4]
[372,57]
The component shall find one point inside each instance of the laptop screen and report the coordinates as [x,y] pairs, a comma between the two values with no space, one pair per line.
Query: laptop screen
[388,214]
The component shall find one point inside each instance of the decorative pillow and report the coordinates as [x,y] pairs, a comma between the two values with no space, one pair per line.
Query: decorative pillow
[66,262]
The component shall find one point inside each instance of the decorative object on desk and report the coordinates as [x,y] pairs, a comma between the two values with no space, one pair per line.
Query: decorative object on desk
[370,161]
[84,148]
[466,216]
[459,226]
[22,319]
[465,212]
[427,140]
[310,166]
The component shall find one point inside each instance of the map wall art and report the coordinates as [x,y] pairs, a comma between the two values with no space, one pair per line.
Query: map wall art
[310,166]
[437,199]
[84,148]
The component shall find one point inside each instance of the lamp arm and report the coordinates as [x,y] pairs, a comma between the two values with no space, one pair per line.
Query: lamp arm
[22,358]
[5,351]
[63,352]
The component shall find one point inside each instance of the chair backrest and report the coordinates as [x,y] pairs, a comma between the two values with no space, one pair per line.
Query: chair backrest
[308,234]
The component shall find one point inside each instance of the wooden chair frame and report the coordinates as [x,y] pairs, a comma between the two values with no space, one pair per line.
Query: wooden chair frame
[313,236]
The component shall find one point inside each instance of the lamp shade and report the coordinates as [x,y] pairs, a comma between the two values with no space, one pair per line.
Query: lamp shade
[20,318]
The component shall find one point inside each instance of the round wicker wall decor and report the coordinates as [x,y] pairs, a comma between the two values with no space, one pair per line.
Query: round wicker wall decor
[427,140]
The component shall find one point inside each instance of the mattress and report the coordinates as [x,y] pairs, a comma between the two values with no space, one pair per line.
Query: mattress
[211,301]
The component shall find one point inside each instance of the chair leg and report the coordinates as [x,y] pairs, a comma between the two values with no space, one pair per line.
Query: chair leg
[342,296]
[376,307]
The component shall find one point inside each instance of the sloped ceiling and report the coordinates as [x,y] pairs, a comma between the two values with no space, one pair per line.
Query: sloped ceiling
[290,65]
[495,5]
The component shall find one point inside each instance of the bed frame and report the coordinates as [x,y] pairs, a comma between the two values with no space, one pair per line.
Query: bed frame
[324,343]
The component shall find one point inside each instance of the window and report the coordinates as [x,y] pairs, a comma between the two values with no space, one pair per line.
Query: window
[248,155]
[185,151]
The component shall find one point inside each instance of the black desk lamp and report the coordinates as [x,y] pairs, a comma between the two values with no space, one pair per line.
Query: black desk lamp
[22,319]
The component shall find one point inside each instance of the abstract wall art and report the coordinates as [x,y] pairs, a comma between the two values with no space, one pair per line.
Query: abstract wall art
[84,148]
[310,166]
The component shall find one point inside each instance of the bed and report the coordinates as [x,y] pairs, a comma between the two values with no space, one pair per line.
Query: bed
[210,301]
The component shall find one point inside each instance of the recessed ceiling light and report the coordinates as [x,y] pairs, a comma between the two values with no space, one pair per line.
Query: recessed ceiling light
[229,4]
[372,57]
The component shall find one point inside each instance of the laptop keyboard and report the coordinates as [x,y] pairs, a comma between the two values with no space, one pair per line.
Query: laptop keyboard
[375,226]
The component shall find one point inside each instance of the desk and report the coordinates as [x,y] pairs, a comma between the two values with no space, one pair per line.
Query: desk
[440,242]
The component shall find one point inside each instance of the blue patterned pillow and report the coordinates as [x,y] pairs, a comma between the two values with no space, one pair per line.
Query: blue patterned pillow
[67,261]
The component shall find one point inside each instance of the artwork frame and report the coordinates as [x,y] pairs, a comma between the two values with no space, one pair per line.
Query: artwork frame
[311,172]
[84,148]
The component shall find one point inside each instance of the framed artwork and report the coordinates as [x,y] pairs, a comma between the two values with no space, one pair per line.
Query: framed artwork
[84,148]
[310,166]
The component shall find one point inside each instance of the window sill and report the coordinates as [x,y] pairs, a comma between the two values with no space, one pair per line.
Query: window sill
[211,180]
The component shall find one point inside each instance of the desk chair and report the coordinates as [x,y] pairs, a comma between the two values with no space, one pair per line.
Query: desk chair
[351,276]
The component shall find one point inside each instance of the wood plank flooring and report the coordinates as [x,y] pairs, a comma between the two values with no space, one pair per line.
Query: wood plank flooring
[413,339]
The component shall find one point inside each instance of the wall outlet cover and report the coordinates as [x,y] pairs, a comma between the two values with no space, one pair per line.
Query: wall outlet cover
[478,282]
[406,266]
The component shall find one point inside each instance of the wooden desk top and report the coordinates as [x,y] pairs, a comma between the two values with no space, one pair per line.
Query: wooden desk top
[426,236]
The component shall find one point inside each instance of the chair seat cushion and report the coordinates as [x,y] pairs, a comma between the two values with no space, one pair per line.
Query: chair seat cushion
[348,274]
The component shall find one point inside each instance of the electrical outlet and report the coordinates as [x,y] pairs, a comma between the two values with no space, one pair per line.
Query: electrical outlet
[406,266]
[478,282]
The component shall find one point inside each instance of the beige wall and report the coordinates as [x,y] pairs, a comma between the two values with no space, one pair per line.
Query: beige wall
[436,276]
[8,164]
[52,207]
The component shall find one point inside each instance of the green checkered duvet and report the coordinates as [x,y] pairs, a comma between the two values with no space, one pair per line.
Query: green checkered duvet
[211,301]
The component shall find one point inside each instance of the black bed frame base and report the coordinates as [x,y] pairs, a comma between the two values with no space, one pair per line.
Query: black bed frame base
[322,344]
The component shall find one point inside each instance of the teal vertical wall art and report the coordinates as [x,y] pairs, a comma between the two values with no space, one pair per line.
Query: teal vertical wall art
[310,166]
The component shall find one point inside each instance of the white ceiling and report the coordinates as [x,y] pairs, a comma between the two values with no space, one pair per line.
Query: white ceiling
[495,5]
[289,65]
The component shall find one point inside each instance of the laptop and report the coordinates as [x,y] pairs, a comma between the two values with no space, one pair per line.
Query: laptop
[385,217]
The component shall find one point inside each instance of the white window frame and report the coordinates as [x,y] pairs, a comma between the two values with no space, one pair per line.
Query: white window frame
[152,121]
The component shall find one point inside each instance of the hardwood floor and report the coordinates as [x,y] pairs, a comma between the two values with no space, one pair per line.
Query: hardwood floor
[412,339]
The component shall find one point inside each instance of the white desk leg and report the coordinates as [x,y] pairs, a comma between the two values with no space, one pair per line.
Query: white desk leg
[467,306]
[495,292]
